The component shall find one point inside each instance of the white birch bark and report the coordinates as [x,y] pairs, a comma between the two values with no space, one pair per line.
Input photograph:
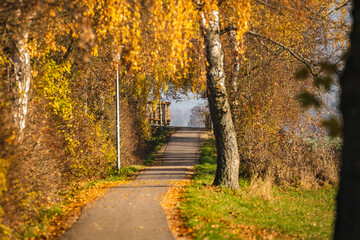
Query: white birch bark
[227,172]
[22,77]
[21,73]
[235,70]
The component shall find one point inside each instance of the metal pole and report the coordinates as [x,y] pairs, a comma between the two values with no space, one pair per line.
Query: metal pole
[160,119]
[117,117]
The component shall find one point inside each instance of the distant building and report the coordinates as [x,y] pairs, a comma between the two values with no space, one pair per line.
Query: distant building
[153,112]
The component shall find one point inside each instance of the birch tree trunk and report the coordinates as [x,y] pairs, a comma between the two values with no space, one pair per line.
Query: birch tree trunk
[22,79]
[347,224]
[227,172]
[235,70]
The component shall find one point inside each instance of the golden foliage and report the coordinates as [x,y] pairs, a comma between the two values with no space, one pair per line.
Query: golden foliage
[7,138]
[269,122]
[73,44]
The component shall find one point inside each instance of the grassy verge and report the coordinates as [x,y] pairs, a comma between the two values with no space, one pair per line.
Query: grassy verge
[215,213]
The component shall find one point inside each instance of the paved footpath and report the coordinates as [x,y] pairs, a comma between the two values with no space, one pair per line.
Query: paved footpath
[133,211]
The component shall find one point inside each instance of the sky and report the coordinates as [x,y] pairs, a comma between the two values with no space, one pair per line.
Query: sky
[180,110]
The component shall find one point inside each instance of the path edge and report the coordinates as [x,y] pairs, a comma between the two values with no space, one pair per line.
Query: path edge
[172,198]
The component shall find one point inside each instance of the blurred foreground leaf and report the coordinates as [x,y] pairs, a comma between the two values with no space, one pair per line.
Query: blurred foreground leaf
[324,82]
[302,73]
[333,126]
[308,99]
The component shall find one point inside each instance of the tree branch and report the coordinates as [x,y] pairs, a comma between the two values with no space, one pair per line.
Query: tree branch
[347,3]
[267,4]
[308,63]
[227,30]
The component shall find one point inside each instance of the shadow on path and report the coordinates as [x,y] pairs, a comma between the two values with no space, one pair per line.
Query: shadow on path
[133,211]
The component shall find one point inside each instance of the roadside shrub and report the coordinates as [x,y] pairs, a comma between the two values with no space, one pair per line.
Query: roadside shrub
[69,139]
[290,160]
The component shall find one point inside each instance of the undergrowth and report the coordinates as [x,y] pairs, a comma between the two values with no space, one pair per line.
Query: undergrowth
[52,220]
[291,213]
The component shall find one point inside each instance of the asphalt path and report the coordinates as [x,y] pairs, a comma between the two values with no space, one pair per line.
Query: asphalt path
[133,211]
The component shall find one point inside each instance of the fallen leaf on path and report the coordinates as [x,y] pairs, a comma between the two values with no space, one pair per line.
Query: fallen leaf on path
[170,203]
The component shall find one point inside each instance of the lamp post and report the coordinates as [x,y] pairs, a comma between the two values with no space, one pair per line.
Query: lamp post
[117,58]
[160,114]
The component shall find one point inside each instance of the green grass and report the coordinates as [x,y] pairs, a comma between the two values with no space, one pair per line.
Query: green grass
[216,213]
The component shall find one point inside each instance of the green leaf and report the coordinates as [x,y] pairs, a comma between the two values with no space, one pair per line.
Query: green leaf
[324,82]
[333,126]
[329,67]
[302,73]
[308,100]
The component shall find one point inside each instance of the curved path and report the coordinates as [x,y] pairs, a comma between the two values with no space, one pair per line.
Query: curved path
[133,211]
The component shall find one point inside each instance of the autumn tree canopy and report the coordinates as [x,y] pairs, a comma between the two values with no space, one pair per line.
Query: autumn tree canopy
[57,62]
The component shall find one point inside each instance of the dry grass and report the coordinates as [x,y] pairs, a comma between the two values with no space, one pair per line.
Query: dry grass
[261,188]
[290,161]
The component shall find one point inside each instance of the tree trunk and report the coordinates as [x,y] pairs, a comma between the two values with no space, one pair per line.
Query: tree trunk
[227,172]
[22,79]
[235,71]
[347,225]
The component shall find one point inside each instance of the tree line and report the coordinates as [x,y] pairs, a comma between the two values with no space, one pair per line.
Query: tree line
[57,90]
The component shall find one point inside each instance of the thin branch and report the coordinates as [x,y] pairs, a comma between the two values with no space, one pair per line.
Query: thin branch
[308,63]
[227,30]
[267,4]
[347,3]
